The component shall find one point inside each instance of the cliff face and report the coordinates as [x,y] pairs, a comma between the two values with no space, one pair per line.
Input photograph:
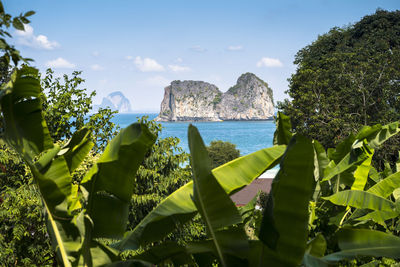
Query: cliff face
[116,101]
[249,99]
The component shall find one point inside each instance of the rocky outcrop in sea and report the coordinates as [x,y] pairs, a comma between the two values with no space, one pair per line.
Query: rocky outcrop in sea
[115,101]
[250,99]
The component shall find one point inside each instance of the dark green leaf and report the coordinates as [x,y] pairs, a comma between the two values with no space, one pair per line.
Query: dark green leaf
[212,202]
[29,13]
[110,182]
[283,132]
[285,221]
[17,23]
[364,242]
[361,200]
[179,207]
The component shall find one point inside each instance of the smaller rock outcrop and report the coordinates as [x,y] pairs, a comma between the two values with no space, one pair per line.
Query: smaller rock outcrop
[250,99]
[115,101]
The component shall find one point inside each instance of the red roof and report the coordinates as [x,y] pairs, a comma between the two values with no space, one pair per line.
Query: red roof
[244,196]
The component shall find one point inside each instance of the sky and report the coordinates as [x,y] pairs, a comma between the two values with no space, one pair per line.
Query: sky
[139,47]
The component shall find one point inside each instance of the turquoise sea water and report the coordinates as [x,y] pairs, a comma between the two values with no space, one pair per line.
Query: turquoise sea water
[248,136]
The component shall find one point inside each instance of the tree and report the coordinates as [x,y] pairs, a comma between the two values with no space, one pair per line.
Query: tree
[222,152]
[67,108]
[347,78]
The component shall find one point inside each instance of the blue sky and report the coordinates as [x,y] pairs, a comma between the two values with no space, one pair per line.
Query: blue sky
[139,47]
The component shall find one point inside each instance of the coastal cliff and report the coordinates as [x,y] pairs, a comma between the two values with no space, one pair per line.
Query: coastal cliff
[250,99]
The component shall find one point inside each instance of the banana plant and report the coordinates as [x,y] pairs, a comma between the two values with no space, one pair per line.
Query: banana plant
[77,215]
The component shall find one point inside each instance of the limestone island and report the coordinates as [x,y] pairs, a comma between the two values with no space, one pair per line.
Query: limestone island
[250,99]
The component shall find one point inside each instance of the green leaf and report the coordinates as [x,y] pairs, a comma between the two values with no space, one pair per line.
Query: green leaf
[29,13]
[361,200]
[77,148]
[213,203]
[235,251]
[364,242]
[285,221]
[361,173]
[377,138]
[317,246]
[321,160]
[25,129]
[367,132]
[110,181]
[357,155]
[283,132]
[179,208]
[168,250]
[342,149]
[312,261]
[17,23]
[240,172]
[385,187]
[379,216]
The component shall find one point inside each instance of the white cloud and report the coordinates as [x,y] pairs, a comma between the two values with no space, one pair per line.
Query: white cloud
[177,68]
[148,64]
[269,62]
[28,38]
[198,48]
[179,60]
[60,63]
[96,67]
[235,48]
[159,81]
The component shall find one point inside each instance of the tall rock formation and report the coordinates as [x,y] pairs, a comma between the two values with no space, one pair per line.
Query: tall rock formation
[249,99]
[116,101]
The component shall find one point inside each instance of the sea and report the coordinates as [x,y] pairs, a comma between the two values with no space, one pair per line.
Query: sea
[248,136]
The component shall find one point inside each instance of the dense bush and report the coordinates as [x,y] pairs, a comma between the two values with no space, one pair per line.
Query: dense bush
[346,79]
[222,152]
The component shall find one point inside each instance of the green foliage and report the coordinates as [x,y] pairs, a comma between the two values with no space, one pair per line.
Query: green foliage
[66,109]
[160,174]
[217,99]
[6,22]
[346,79]
[222,152]
[76,214]
[23,236]
[83,216]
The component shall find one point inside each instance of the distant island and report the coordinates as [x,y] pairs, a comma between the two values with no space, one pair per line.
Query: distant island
[250,99]
[115,101]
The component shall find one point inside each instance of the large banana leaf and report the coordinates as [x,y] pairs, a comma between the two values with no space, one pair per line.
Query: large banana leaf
[342,149]
[357,155]
[110,181]
[283,132]
[365,242]
[178,207]
[386,187]
[284,226]
[77,148]
[361,173]
[376,135]
[213,203]
[379,216]
[321,160]
[25,129]
[361,200]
